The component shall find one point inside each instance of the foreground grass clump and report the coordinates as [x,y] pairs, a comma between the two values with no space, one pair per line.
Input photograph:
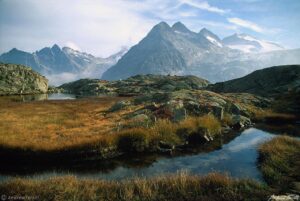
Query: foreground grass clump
[165,130]
[212,187]
[194,128]
[133,140]
[280,162]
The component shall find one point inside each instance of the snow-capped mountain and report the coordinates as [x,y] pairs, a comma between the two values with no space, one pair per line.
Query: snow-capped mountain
[250,44]
[167,50]
[180,51]
[213,38]
[174,50]
[62,64]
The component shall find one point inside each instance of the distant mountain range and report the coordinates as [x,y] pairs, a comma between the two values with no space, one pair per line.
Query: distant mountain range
[165,50]
[62,64]
[178,51]
[249,44]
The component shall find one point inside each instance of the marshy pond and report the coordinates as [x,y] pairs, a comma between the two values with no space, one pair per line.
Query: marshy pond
[238,158]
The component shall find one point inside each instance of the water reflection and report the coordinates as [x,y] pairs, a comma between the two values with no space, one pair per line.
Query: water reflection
[39,97]
[237,158]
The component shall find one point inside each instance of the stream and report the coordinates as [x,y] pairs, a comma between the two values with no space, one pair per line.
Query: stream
[238,159]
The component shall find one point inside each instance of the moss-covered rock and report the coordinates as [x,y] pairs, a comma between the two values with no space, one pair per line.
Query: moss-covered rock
[178,105]
[19,79]
[136,85]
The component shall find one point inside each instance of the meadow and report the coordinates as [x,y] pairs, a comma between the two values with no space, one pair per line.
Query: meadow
[90,125]
[54,125]
[58,126]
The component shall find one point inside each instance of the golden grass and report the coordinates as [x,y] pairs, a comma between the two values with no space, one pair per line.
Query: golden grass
[208,122]
[227,120]
[51,125]
[165,130]
[181,186]
[86,123]
[280,161]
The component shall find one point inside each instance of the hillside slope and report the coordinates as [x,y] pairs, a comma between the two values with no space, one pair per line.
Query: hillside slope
[19,79]
[268,81]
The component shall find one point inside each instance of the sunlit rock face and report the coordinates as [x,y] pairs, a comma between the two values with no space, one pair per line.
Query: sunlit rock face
[18,79]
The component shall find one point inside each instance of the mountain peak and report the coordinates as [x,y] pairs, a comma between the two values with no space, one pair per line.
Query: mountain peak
[205,32]
[14,50]
[162,26]
[178,26]
[213,38]
[55,47]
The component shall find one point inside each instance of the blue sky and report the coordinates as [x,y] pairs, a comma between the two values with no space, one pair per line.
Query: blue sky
[102,27]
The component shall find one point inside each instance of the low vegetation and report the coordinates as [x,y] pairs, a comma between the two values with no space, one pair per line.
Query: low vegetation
[212,187]
[133,140]
[192,129]
[55,125]
[71,124]
[269,116]
[280,162]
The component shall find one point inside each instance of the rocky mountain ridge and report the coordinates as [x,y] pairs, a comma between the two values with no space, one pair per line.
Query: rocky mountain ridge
[166,50]
[177,50]
[53,61]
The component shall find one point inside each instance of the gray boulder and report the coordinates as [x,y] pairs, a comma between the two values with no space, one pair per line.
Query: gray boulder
[239,121]
[119,105]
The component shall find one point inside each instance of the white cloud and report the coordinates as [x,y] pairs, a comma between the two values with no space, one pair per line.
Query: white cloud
[98,27]
[247,24]
[72,45]
[58,79]
[187,13]
[203,5]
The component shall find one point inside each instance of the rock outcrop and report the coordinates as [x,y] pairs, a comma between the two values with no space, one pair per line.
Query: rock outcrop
[136,85]
[19,79]
[177,105]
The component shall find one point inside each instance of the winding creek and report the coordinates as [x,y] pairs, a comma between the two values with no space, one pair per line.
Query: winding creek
[238,158]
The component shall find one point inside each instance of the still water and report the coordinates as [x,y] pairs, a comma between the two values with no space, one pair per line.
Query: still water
[40,97]
[238,158]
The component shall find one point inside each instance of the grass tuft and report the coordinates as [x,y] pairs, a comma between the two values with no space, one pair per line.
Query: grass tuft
[133,140]
[280,162]
[180,186]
